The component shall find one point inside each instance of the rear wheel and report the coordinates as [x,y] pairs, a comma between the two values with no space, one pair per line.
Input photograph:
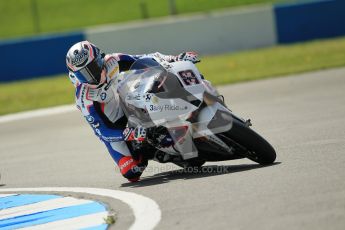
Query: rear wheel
[248,143]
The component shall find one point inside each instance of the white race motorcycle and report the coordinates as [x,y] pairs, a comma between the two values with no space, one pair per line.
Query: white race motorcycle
[187,122]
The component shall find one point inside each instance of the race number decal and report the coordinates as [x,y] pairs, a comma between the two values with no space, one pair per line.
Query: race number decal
[188,77]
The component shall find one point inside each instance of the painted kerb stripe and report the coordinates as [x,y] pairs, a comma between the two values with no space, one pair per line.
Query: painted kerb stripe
[29,210]
[146,211]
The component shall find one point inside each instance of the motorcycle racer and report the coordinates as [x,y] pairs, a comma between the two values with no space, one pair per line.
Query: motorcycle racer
[95,75]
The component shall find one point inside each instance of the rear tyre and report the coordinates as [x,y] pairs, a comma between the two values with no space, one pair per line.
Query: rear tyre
[248,143]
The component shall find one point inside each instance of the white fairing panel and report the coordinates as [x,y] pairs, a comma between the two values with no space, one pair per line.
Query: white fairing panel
[173,97]
[205,116]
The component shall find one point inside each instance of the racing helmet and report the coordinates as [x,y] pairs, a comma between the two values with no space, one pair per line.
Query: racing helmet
[86,61]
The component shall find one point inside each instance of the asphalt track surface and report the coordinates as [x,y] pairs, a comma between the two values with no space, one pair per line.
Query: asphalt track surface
[302,116]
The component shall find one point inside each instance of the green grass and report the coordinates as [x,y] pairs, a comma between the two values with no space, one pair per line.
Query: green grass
[16,17]
[220,69]
[275,61]
[38,93]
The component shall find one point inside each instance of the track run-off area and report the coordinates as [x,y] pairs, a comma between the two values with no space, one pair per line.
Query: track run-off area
[302,116]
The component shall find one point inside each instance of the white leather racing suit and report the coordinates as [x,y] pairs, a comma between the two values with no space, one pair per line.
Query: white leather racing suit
[102,111]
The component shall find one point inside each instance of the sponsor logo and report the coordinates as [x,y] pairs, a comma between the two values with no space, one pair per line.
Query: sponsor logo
[132,97]
[112,139]
[189,77]
[98,132]
[148,97]
[95,125]
[82,97]
[79,58]
[161,108]
[112,73]
[103,96]
[127,132]
[126,164]
[96,129]
[90,119]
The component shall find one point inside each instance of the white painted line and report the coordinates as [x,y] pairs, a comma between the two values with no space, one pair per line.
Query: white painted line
[41,207]
[73,223]
[6,195]
[37,113]
[146,211]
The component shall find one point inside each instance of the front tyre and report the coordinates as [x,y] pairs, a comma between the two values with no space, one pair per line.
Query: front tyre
[248,143]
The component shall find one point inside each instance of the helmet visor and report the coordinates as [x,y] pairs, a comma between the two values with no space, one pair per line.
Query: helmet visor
[91,74]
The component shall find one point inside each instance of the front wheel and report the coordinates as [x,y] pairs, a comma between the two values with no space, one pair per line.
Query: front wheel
[248,143]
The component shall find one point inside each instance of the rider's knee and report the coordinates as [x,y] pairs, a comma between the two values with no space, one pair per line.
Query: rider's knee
[131,169]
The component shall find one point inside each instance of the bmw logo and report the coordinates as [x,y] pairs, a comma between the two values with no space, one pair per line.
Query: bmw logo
[103,96]
[90,119]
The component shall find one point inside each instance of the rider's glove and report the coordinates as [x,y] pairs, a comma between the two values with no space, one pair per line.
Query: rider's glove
[188,56]
[138,134]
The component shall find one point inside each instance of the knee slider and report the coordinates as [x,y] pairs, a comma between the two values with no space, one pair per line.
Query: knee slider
[131,168]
